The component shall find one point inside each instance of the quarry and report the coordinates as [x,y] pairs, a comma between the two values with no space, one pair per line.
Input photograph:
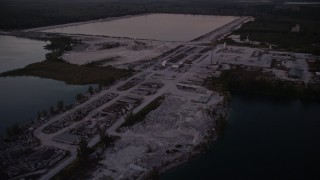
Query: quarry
[168,135]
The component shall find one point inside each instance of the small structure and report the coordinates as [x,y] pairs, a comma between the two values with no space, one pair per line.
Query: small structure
[318,75]
[164,63]
[67,138]
[296,73]
[202,99]
[176,66]
[296,28]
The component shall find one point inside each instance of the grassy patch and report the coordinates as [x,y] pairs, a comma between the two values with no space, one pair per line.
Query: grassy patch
[70,73]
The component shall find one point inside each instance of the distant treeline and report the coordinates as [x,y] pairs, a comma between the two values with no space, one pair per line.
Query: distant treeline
[276,29]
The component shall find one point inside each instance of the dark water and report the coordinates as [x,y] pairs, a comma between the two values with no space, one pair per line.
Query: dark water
[22,97]
[266,139]
[18,52]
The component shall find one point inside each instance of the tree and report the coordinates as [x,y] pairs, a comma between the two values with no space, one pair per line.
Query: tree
[60,105]
[129,117]
[14,130]
[90,89]
[83,150]
[105,138]
[44,113]
[102,132]
[79,97]
[39,115]
[100,86]
[51,109]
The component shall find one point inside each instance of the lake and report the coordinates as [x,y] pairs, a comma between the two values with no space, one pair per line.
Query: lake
[22,97]
[266,139]
[168,27]
[18,52]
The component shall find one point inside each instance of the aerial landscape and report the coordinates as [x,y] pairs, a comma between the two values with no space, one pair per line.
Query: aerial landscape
[163,89]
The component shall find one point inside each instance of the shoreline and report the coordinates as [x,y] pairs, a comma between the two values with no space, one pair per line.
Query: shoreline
[198,150]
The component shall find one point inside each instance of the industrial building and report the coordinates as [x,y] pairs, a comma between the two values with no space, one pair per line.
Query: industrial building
[296,73]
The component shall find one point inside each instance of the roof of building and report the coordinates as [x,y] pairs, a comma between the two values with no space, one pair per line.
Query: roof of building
[67,138]
[296,72]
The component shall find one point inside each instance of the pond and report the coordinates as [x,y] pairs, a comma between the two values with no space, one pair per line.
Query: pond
[167,27]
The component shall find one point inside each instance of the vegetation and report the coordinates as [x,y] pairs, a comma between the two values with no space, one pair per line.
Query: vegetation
[275,28]
[132,119]
[99,63]
[83,151]
[84,163]
[51,110]
[80,97]
[220,120]
[14,130]
[58,44]
[62,43]
[76,168]
[259,83]
[90,90]
[55,68]
[60,105]
[70,73]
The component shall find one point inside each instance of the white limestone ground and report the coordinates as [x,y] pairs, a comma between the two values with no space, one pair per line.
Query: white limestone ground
[165,138]
[262,58]
[128,52]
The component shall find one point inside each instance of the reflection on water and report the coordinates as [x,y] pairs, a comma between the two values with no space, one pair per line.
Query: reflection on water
[19,52]
[171,27]
[22,97]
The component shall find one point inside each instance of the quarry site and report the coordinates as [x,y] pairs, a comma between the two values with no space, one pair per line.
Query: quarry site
[167,72]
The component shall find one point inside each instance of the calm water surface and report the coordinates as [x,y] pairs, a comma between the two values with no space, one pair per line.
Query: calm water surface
[266,139]
[171,27]
[19,52]
[22,97]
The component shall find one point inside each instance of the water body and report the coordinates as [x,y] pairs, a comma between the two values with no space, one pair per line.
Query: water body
[22,97]
[169,27]
[266,139]
[18,52]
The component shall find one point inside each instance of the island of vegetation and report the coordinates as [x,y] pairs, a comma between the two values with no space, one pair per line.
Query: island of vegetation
[54,67]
